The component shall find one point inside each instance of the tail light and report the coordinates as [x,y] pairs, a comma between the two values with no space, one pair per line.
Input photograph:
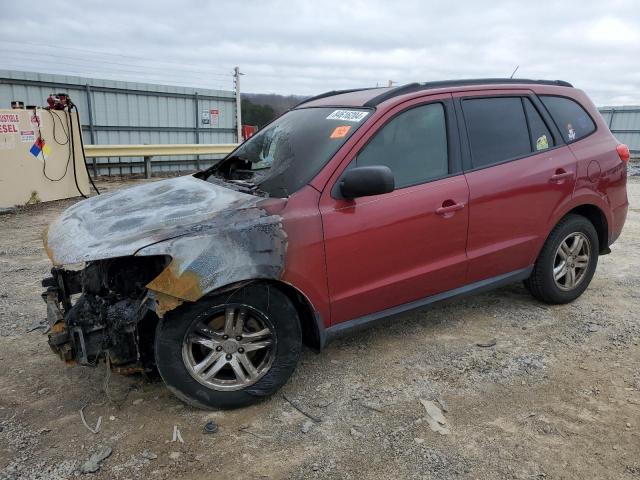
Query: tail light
[623,152]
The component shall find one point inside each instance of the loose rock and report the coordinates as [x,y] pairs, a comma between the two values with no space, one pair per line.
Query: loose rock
[435,418]
[149,455]
[306,426]
[442,404]
[94,462]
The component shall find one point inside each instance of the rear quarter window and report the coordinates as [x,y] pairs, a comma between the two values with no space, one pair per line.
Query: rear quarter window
[572,120]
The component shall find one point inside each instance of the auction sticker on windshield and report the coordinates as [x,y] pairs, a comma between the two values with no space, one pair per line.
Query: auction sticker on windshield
[341,131]
[348,115]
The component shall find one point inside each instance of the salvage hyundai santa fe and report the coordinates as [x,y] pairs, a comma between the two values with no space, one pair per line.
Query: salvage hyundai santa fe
[351,207]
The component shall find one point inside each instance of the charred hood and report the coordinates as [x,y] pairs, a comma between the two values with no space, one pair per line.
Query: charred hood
[122,222]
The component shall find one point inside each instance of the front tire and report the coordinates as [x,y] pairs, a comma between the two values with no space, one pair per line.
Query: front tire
[231,349]
[566,263]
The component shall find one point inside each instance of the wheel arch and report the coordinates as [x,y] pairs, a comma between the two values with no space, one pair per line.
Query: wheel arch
[313,332]
[593,209]
[599,221]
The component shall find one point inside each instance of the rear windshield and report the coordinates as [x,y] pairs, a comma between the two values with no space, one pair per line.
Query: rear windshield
[290,151]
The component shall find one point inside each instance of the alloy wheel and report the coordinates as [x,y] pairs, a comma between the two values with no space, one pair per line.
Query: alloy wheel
[571,261]
[231,349]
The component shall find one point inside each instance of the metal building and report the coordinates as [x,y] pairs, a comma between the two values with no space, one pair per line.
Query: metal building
[624,123]
[114,112]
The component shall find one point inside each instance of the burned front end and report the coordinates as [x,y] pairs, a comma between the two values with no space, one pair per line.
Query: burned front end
[145,250]
[103,312]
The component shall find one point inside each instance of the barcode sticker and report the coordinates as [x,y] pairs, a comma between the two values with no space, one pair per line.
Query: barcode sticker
[348,115]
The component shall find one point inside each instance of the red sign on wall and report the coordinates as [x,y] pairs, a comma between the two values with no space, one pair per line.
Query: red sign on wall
[9,123]
[214,114]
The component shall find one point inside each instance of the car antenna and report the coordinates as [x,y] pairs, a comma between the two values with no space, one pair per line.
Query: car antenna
[514,72]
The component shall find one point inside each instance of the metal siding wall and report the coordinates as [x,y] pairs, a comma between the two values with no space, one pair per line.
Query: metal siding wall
[159,106]
[624,123]
[606,116]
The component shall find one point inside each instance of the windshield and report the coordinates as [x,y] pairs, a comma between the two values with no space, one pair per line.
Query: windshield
[290,151]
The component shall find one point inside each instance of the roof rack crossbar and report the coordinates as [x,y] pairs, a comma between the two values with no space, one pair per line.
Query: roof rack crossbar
[414,87]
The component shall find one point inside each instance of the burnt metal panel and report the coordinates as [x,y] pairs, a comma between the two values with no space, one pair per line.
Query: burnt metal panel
[215,236]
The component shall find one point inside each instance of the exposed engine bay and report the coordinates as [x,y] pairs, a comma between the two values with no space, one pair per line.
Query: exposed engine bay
[104,309]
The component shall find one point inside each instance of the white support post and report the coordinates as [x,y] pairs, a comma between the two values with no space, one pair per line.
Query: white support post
[236,81]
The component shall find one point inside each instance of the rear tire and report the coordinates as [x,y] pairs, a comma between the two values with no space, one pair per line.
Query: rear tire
[566,263]
[229,350]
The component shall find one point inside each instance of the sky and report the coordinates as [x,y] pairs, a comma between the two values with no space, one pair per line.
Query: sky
[308,47]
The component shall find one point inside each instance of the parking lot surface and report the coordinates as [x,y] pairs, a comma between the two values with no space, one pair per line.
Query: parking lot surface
[529,391]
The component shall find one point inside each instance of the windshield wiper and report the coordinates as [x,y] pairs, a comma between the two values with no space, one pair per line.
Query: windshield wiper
[247,186]
[207,172]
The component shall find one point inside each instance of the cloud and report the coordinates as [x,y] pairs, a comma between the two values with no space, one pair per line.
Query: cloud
[309,47]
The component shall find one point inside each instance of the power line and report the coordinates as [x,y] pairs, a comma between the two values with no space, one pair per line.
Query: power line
[87,64]
[75,70]
[95,52]
[93,62]
[139,78]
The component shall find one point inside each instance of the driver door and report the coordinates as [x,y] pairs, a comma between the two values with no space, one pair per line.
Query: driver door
[383,251]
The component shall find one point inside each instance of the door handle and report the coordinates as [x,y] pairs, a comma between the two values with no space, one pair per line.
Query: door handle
[560,175]
[449,207]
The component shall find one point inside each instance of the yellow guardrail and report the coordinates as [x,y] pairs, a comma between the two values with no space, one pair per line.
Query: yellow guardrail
[93,151]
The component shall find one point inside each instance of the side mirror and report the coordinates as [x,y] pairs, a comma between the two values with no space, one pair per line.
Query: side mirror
[365,181]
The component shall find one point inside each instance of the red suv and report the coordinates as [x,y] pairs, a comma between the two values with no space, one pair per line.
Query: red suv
[353,206]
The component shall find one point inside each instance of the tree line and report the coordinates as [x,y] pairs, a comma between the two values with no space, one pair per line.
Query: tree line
[259,109]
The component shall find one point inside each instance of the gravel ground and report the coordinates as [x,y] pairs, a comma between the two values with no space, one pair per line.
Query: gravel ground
[557,396]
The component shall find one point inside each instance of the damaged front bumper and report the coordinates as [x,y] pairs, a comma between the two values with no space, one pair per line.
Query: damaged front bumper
[102,312]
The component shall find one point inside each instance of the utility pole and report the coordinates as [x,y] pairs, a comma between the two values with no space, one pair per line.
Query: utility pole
[391,82]
[236,84]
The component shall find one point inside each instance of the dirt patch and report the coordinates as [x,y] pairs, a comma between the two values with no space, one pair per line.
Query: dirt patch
[557,396]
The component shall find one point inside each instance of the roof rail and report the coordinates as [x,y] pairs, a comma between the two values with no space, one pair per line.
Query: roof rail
[330,94]
[416,87]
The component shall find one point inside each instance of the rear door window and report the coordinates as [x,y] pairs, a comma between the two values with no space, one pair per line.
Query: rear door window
[413,145]
[497,129]
[572,120]
[541,138]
